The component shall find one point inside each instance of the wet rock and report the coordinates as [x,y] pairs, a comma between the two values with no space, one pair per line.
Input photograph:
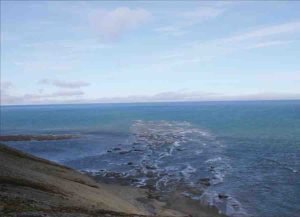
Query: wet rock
[124,152]
[211,168]
[116,149]
[205,181]
[137,150]
[179,149]
[222,196]
[112,174]
[129,163]
[150,174]
[149,167]
[108,151]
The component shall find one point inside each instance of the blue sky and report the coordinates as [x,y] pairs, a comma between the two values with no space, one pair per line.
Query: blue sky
[88,51]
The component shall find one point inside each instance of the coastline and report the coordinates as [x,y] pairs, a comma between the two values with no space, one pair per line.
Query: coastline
[32,186]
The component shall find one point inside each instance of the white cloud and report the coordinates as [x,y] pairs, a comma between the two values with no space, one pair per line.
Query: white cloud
[202,14]
[57,94]
[171,30]
[56,64]
[186,19]
[9,97]
[266,31]
[47,98]
[111,24]
[194,96]
[68,46]
[268,44]
[205,51]
[64,84]
[75,96]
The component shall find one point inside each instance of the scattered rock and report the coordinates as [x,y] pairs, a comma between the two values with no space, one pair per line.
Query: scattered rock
[124,152]
[116,149]
[129,163]
[222,196]
[149,167]
[137,150]
[205,181]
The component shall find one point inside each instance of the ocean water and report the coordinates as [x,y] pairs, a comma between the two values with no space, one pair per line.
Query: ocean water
[247,151]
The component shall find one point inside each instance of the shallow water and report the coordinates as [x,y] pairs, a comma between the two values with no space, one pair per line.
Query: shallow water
[243,157]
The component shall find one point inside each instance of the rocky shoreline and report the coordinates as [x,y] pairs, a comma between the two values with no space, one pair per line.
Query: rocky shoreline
[46,137]
[32,186]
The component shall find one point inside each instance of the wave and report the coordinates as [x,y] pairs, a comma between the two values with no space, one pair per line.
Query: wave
[166,156]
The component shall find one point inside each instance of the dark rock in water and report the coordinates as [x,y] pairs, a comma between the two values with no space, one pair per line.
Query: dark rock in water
[124,152]
[205,181]
[116,149]
[179,149]
[150,174]
[112,174]
[149,167]
[211,168]
[137,150]
[129,163]
[108,151]
[222,196]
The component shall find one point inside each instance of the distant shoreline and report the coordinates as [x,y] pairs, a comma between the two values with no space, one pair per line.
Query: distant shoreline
[151,102]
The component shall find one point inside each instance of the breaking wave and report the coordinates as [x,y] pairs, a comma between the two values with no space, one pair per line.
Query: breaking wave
[165,156]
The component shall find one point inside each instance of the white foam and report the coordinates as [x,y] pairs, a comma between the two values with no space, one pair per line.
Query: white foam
[229,206]
[213,159]
[188,171]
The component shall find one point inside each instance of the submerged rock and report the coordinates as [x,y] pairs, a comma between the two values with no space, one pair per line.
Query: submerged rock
[116,149]
[222,196]
[149,167]
[124,152]
[137,150]
[205,181]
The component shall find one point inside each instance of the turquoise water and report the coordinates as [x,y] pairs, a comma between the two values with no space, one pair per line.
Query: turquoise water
[249,151]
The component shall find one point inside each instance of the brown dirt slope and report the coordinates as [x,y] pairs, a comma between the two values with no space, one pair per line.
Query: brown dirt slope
[33,187]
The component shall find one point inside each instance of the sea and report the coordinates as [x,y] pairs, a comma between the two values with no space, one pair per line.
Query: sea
[242,157]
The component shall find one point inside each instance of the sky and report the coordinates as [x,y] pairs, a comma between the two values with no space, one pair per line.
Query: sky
[149,51]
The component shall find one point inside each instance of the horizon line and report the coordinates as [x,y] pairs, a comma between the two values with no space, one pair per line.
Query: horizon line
[156,102]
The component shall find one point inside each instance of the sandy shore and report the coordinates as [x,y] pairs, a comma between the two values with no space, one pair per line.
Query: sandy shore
[32,186]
